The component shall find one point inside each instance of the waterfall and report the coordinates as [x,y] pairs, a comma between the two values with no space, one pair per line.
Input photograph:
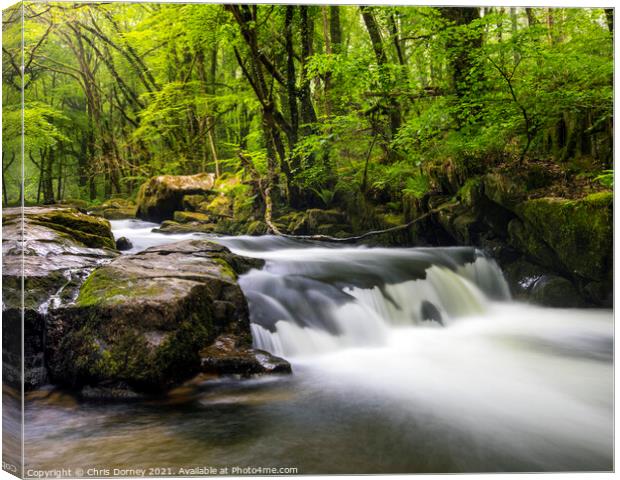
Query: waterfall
[313,300]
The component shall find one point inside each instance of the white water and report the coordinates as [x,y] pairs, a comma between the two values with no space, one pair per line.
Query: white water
[534,383]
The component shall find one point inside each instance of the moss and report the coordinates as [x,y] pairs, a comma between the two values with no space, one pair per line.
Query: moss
[392,219]
[225,268]
[579,231]
[91,231]
[220,205]
[257,228]
[119,213]
[471,192]
[503,190]
[104,286]
[159,197]
[187,217]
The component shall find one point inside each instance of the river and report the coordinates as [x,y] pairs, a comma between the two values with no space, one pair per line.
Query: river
[404,360]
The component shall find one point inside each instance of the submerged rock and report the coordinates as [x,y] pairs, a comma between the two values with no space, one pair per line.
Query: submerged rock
[430,313]
[161,196]
[60,247]
[144,319]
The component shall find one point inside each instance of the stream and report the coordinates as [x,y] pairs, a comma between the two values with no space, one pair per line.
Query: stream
[404,360]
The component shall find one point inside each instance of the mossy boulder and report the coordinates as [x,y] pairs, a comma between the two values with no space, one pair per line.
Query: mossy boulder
[143,319]
[471,193]
[115,209]
[161,196]
[461,223]
[220,206]
[192,203]
[446,175]
[119,213]
[88,230]
[526,239]
[580,232]
[313,220]
[503,190]
[55,256]
[189,217]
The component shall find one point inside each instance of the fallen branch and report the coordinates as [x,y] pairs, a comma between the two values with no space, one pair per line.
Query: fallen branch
[266,195]
[327,238]
[265,192]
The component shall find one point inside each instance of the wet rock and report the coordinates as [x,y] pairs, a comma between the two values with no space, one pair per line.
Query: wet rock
[170,226]
[119,213]
[503,190]
[58,246]
[192,217]
[115,209]
[430,313]
[226,356]
[123,243]
[112,392]
[555,291]
[313,220]
[580,232]
[143,319]
[161,196]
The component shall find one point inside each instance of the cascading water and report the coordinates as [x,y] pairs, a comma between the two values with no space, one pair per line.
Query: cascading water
[404,360]
[317,299]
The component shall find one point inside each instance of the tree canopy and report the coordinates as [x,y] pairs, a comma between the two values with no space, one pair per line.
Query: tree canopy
[316,99]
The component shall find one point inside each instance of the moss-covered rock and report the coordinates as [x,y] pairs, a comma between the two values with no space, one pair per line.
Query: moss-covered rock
[54,263]
[119,213]
[89,230]
[525,239]
[115,209]
[220,206]
[189,217]
[580,232]
[192,203]
[143,319]
[503,190]
[170,226]
[313,220]
[446,175]
[161,196]
[471,193]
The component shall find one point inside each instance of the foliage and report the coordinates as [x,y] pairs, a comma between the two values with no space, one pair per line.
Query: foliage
[318,102]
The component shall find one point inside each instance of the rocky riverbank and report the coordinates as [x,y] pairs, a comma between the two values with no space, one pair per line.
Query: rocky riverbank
[555,248]
[120,326]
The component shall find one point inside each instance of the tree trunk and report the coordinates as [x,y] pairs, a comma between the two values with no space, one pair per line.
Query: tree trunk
[308,115]
[609,15]
[335,31]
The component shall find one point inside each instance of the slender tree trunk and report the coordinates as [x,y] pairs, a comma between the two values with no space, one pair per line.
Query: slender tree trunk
[308,115]
[609,15]
[335,31]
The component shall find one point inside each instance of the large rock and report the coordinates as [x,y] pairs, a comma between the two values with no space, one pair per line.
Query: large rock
[148,320]
[503,190]
[60,247]
[580,232]
[116,209]
[161,196]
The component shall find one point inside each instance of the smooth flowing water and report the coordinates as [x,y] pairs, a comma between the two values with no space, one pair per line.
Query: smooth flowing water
[404,360]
